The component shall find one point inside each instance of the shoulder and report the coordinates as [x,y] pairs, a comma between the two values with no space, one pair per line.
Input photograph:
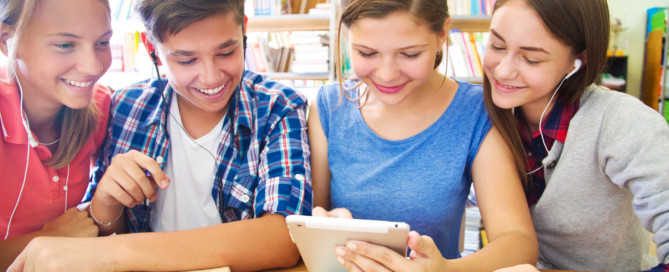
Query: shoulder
[144,94]
[615,111]
[102,100]
[102,97]
[331,96]
[614,104]
[267,92]
[470,91]
[468,100]
[136,90]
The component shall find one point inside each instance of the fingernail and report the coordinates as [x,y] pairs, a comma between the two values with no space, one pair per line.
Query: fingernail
[340,251]
[351,246]
[164,183]
[340,260]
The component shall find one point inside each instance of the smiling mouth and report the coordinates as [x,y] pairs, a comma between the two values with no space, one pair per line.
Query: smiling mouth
[78,83]
[506,88]
[212,91]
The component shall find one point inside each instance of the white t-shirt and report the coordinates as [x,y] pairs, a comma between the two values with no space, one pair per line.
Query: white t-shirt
[187,203]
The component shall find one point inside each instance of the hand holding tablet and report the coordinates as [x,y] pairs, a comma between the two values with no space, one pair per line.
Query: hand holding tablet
[317,237]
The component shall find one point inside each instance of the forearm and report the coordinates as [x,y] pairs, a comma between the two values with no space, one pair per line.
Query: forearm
[254,244]
[11,248]
[508,249]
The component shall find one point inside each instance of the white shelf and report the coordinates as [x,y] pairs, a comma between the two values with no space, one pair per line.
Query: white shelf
[471,23]
[292,22]
[298,76]
[305,22]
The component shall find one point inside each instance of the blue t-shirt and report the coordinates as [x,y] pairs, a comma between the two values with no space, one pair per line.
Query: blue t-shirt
[423,180]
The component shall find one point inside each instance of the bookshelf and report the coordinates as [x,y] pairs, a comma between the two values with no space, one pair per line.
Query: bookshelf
[286,23]
[664,88]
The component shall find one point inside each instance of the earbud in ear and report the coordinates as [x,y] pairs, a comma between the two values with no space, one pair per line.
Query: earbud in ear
[153,57]
[577,65]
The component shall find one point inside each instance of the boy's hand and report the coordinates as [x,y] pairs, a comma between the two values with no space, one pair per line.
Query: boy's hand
[130,179]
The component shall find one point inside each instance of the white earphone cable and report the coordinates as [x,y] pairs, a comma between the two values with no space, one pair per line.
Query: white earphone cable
[25,172]
[67,181]
[541,120]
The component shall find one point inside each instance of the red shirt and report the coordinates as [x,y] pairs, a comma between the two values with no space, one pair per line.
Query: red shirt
[43,197]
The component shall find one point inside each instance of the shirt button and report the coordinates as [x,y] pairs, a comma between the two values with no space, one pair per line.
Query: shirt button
[245,198]
[55,178]
[552,165]
[159,160]
[299,177]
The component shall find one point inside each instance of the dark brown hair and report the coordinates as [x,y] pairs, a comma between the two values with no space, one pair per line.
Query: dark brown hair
[431,12]
[168,17]
[583,25]
[77,125]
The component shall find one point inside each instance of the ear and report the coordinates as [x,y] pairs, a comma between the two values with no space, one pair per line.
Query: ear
[583,57]
[246,21]
[443,36]
[6,33]
[149,47]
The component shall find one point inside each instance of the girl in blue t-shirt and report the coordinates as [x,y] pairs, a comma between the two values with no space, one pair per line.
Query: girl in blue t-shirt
[402,142]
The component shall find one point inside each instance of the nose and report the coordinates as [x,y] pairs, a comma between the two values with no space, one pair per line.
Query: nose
[210,74]
[388,71]
[506,68]
[94,62]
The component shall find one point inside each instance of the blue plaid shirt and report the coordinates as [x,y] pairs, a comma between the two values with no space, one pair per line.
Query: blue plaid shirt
[262,168]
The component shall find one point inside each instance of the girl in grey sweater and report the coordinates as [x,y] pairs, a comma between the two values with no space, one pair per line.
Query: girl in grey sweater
[595,161]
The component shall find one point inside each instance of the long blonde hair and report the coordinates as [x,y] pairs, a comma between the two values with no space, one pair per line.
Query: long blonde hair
[77,125]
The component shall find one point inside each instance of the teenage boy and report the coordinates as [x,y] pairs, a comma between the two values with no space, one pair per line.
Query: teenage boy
[210,159]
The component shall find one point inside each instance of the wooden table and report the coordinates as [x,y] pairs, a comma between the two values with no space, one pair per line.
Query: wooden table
[301,268]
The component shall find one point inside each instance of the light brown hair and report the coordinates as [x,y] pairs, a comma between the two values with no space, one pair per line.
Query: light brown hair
[77,125]
[583,25]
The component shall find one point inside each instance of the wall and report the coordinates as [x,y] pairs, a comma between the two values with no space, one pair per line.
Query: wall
[631,41]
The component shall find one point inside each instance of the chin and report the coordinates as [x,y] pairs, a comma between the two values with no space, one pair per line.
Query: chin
[503,103]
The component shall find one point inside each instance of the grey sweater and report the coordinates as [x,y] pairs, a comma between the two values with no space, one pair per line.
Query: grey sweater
[610,185]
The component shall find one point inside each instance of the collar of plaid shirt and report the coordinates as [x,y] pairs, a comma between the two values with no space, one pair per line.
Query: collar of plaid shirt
[554,129]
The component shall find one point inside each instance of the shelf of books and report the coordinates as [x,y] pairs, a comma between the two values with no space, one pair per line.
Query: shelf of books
[294,48]
[290,48]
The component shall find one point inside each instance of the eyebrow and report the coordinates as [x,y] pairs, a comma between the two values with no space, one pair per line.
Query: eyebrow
[526,48]
[403,48]
[71,35]
[187,53]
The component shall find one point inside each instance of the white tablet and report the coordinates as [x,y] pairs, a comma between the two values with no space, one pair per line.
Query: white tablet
[317,237]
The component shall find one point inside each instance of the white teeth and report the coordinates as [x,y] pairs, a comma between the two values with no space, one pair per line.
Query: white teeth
[212,91]
[78,84]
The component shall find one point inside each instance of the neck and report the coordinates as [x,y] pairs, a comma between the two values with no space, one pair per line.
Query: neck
[533,115]
[42,116]
[196,121]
